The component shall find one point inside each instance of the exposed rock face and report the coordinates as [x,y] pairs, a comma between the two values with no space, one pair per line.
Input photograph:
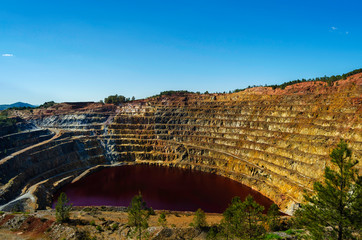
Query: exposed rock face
[275,141]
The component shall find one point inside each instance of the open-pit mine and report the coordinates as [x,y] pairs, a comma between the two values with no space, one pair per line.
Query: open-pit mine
[275,141]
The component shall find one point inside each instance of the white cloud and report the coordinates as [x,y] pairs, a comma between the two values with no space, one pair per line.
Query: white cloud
[333,28]
[7,55]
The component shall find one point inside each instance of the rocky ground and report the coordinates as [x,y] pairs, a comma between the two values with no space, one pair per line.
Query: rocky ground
[97,223]
[102,223]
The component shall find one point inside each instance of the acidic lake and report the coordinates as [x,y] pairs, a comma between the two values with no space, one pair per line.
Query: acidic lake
[161,187]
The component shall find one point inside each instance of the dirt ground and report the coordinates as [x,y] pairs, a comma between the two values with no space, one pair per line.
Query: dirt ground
[94,223]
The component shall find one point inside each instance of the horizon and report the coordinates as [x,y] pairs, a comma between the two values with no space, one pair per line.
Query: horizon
[85,51]
[206,92]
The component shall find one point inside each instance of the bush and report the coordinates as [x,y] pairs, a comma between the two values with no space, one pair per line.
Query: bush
[199,219]
[271,236]
[162,220]
[82,235]
[213,232]
[151,211]
[114,226]
[62,208]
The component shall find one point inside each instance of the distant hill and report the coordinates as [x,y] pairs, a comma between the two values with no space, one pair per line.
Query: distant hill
[17,104]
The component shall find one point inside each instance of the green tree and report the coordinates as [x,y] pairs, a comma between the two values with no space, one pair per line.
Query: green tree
[273,218]
[116,99]
[199,220]
[233,216]
[356,206]
[254,218]
[243,220]
[334,211]
[162,220]
[62,208]
[138,215]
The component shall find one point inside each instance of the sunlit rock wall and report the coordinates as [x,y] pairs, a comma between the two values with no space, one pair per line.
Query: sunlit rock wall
[275,141]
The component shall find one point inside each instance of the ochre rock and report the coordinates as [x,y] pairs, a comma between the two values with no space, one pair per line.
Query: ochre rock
[275,141]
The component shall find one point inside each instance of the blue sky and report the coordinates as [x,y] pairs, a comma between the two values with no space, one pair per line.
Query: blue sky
[86,50]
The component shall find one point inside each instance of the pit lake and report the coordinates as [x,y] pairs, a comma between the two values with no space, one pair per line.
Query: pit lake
[161,187]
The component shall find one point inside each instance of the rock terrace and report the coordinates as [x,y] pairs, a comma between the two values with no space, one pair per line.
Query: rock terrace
[275,141]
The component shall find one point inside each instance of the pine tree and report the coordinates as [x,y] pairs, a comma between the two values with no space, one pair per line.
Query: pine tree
[335,209]
[233,216]
[199,219]
[356,206]
[62,208]
[273,218]
[243,219]
[138,215]
[254,217]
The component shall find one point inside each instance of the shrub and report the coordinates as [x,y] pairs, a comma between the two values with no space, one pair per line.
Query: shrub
[271,236]
[199,219]
[62,208]
[162,220]
[213,232]
[114,226]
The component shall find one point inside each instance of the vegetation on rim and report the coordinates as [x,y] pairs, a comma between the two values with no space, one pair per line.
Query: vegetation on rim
[330,80]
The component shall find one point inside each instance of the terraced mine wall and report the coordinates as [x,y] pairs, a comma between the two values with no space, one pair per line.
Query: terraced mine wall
[277,142]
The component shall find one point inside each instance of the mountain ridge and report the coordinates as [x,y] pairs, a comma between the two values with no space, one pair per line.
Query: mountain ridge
[17,104]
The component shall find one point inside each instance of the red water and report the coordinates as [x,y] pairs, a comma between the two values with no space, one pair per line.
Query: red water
[161,187]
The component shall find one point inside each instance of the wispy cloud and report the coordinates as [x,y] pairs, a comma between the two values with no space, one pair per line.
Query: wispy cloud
[336,30]
[7,55]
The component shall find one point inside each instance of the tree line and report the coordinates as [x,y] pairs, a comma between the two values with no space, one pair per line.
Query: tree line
[330,80]
[117,99]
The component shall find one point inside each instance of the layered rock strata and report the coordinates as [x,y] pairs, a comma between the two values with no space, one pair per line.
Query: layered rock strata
[275,141]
